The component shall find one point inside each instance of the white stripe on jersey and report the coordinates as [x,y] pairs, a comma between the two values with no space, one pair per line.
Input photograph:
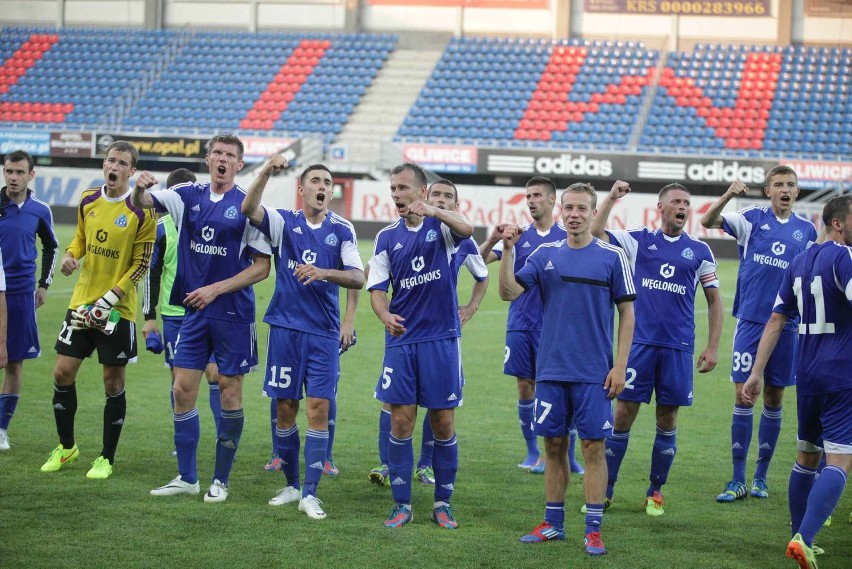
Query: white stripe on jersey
[625,265]
[742,227]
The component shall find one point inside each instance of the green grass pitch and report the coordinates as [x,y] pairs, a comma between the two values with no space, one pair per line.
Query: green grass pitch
[64,520]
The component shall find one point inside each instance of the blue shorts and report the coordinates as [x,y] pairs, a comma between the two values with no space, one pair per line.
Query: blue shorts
[560,404]
[298,361]
[781,367]
[667,372]
[521,351]
[21,315]
[428,374]
[233,343]
[825,422]
[171,329]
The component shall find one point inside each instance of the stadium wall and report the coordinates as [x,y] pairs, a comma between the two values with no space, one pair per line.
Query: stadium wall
[786,21]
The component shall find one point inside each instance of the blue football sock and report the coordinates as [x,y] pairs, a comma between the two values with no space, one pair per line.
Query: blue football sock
[316,447]
[227,441]
[384,435]
[554,514]
[332,424]
[767,438]
[446,465]
[525,418]
[427,443]
[400,467]
[287,448]
[187,433]
[8,403]
[801,482]
[594,517]
[741,431]
[823,498]
[273,415]
[215,403]
[616,448]
[662,457]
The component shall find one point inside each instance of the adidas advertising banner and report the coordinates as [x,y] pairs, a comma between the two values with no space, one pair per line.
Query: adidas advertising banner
[594,166]
[487,206]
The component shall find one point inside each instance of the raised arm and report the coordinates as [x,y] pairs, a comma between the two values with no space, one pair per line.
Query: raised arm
[140,196]
[618,191]
[251,207]
[509,287]
[458,224]
[486,250]
[712,218]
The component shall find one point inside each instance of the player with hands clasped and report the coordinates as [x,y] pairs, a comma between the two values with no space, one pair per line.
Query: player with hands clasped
[116,238]
[668,265]
[579,279]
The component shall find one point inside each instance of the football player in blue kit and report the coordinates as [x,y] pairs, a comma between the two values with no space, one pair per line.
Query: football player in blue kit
[220,255]
[817,291]
[579,279]
[422,363]
[316,252]
[668,266]
[768,238]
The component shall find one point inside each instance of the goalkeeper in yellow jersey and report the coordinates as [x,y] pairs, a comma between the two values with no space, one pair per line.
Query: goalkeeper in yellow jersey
[115,240]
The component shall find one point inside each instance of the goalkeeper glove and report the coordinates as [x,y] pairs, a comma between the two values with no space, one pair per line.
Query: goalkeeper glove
[100,313]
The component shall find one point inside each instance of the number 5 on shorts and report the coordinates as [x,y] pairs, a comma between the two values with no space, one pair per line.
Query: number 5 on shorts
[386,378]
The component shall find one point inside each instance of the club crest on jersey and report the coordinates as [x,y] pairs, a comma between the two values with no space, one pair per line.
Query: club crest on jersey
[309,257]
[688,253]
[231,212]
[431,235]
[331,240]
[121,221]
[798,235]
[667,271]
[417,263]
[778,248]
[207,233]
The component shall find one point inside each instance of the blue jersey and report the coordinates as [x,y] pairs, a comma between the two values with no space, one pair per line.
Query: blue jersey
[417,262]
[578,289]
[314,308]
[666,272]
[525,311]
[19,227]
[215,242]
[468,256]
[766,245]
[817,287]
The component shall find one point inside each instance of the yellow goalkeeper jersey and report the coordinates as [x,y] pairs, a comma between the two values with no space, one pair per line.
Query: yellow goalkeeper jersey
[115,241]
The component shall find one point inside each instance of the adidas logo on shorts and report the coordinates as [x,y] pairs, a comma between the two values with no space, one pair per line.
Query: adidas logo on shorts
[122,355]
[452,397]
[244,363]
[32,350]
[607,425]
